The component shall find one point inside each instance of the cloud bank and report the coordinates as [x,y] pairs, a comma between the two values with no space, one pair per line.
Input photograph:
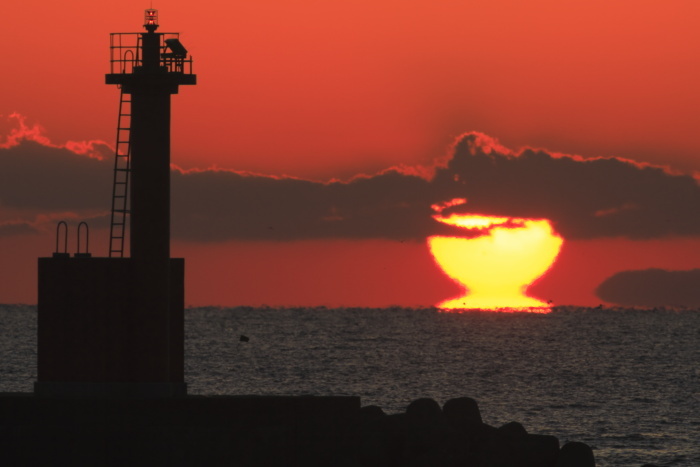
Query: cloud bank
[584,198]
[652,287]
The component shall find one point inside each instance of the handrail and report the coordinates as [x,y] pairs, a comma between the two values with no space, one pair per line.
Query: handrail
[57,253]
[126,60]
[86,253]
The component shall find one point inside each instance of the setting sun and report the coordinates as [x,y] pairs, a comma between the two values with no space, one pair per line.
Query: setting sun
[496,267]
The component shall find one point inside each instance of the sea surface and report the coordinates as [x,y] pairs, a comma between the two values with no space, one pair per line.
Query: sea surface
[626,382]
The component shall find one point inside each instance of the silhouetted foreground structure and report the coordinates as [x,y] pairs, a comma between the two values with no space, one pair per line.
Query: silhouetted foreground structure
[267,431]
[115,326]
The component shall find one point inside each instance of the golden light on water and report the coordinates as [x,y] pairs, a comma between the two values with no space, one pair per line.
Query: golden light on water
[496,267]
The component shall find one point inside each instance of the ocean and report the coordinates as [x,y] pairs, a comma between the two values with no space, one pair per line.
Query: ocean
[624,381]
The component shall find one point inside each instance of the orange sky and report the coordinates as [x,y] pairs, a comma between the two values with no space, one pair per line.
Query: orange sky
[324,90]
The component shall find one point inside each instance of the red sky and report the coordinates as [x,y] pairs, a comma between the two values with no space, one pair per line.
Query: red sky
[328,90]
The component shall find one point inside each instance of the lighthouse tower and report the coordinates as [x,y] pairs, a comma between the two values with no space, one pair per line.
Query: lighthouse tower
[115,326]
[148,67]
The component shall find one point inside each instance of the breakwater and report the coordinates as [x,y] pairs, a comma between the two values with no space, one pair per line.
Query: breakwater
[266,431]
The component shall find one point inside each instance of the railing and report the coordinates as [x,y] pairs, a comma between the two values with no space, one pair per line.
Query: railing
[125,53]
[81,252]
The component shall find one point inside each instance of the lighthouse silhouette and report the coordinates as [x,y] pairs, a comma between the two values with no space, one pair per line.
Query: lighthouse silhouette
[114,326]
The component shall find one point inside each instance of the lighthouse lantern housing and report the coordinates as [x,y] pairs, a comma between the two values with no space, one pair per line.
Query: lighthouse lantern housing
[151,21]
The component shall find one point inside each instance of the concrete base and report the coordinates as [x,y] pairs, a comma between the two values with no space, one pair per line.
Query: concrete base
[112,322]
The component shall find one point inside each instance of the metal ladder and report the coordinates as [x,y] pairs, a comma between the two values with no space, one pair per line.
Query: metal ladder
[122,169]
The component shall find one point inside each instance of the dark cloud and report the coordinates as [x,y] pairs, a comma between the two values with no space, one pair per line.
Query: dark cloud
[584,198]
[214,205]
[36,176]
[652,287]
